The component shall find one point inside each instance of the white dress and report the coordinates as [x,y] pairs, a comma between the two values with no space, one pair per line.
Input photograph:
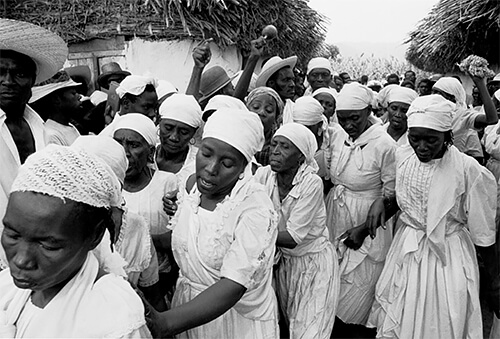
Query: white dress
[235,241]
[429,287]
[60,134]
[307,280]
[491,141]
[187,168]
[148,203]
[10,161]
[83,308]
[361,172]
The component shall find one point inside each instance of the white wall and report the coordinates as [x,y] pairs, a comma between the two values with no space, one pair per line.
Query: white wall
[172,60]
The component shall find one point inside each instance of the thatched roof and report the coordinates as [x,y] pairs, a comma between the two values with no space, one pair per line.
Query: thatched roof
[229,22]
[453,30]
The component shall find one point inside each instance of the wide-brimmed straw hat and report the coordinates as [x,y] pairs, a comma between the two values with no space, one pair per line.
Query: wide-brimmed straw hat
[272,66]
[212,80]
[46,49]
[59,81]
[108,70]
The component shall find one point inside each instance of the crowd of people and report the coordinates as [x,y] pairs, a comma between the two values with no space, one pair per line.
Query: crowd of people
[288,203]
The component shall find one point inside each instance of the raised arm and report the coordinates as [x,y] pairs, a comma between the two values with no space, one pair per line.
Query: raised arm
[257,47]
[490,117]
[201,57]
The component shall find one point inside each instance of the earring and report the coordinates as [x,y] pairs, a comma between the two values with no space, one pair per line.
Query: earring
[241,176]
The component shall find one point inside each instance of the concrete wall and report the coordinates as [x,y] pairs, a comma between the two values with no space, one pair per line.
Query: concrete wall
[168,60]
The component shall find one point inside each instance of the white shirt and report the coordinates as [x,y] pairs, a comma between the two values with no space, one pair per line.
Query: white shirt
[60,134]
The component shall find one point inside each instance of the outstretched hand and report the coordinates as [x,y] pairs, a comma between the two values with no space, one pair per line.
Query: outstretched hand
[257,46]
[202,54]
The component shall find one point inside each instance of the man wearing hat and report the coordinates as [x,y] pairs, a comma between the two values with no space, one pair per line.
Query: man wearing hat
[278,74]
[58,103]
[319,73]
[111,72]
[29,54]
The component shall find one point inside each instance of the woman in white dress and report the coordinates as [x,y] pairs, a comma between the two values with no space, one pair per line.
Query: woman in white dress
[429,287]
[307,278]
[362,169]
[144,187]
[58,210]
[223,239]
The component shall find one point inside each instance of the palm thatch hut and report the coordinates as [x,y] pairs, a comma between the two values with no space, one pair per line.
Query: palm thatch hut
[228,22]
[453,30]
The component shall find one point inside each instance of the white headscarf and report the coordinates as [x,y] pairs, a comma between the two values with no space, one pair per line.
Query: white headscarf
[431,111]
[135,85]
[165,87]
[308,111]
[326,90]
[139,123]
[319,63]
[69,173]
[301,137]
[452,86]
[108,150]
[396,93]
[224,101]
[497,94]
[354,96]
[183,108]
[239,128]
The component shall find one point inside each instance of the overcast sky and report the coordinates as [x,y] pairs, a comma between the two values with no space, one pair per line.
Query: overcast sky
[387,21]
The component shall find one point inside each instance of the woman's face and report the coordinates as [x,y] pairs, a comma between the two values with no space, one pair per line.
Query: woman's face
[397,115]
[45,240]
[175,135]
[285,156]
[328,103]
[354,122]
[137,150]
[265,106]
[427,143]
[218,166]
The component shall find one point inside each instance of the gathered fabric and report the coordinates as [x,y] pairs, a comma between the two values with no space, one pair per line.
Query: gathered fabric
[139,123]
[84,308]
[302,138]
[429,287]
[135,85]
[183,108]
[235,241]
[361,170]
[431,111]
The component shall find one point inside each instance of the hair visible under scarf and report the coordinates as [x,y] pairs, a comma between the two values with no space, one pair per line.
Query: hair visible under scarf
[269,91]
[69,173]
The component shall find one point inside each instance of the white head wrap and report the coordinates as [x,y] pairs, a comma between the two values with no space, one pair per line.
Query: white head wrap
[165,87]
[319,63]
[396,93]
[97,97]
[301,137]
[308,111]
[183,108]
[107,149]
[326,90]
[139,123]
[452,86]
[431,111]
[224,101]
[354,96]
[69,173]
[135,85]
[239,128]
[497,94]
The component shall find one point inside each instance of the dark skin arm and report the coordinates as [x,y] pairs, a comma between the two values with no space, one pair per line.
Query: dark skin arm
[257,47]
[207,306]
[153,295]
[491,258]
[201,57]
[285,240]
[490,117]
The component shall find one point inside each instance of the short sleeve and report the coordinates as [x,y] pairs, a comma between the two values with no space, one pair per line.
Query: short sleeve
[481,205]
[305,209]
[252,250]
[388,170]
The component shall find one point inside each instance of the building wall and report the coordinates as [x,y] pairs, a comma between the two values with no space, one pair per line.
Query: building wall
[167,60]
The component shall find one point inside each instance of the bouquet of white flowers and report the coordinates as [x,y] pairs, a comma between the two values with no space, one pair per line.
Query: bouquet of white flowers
[476,66]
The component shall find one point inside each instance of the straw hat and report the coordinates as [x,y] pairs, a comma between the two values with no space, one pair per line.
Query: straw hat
[212,80]
[272,66]
[496,78]
[45,48]
[59,81]
[109,69]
